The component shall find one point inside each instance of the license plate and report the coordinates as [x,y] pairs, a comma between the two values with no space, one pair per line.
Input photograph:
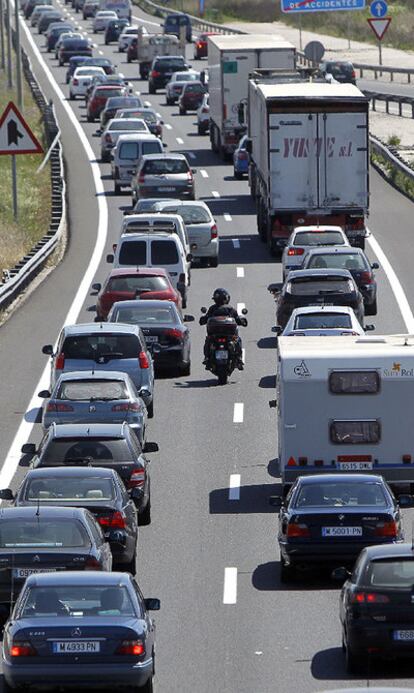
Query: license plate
[23,573]
[222,355]
[354,466]
[342,531]
[163,189]
[75,646]
[403,635]
[151,339]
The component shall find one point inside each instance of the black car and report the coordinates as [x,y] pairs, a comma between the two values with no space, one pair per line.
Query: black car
[74,62]
[46,19]
[105,63]
[164,330]
[340,70]
[53,35]
[114,29]
[162,69]
[101,491]
[114,104]
[74,46]
[37,540]
[331,517]
[317,287]
[114,446]
[352,259]
[376,606]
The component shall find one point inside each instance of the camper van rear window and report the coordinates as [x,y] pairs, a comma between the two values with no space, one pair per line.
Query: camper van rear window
[355,432]
[354,382]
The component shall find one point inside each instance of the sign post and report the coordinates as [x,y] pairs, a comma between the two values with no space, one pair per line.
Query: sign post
[379,23]
[16,137]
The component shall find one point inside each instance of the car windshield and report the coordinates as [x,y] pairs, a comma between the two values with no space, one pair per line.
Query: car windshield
[162,166]
[392,572]
[107,92]
[39,532]
[191,214]
[135,283]
[338,69]
[87,390]
[133,125]
[310,286]
[340,493]
[100,346]
[318,238]
[169,65]
[77,451]
[76,601]
[73,488]
[123,102]
[312,321]
[349,261]
[141,315]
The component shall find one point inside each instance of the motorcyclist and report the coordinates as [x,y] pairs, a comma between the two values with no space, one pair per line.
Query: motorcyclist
[221,298]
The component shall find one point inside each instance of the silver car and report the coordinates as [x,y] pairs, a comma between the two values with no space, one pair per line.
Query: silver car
[303,238]
[117,127]
[176,84]
[164,174]
[101,20]
[95,397]
[102,347]
[201,228]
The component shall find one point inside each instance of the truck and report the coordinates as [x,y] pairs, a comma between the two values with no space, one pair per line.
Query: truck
[231,59]
[309,157]
[151,45]
[344,404]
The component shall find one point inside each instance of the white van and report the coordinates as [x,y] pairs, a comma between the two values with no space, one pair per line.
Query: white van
[155,250]
[126,156]
[123,8]
[157,223]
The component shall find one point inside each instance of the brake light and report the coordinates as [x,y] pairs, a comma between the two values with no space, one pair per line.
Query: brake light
[205,109]
[242,155]
[115,521]
[386,529]
[75,82]
[297,530]
[174,333]
[108,138]
[295,251]
[189,176]
[22,649]
[213,231]
[92,564]
[143,360]
[60,361]
[353,74]
[155,73]
[58,407]
[127,406]
[366,277]
[131,647]
[199,44]
[369,598]
[137,478]
[141,178]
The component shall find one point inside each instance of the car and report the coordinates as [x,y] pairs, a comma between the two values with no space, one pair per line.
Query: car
[160,222]
[241,159]
[38,11]
[163,328]
[74,46]
[114,129]
[98,99]
[62,37]
[32,4]
[124,284]
[316,288]
[98,490]
[113,446]
[159,174]
[303,238]
[191,97]
[89,8]
[338,70]
[162,69]
[109,81]
[174,22]
[114,103]
[354,260]
[91,346]
[114,29]
[96,397]
[201,45]
[106,63]
[74,62]
[328,518]
[34,540]
[83,628]
[126,37]
[102,19]
[151,117]
[54,33]
[376,609]
[203,116]
[127,156]
[81,79]
[147,204]
[309,321]
[201,228]
[46,18]
[175,86]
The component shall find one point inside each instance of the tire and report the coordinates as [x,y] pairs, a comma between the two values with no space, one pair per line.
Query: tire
[185,368]
[151,89]
[200,131]
[60,63]
[128,59]
[148,688]
[168,101]
[222,375]
[117,189]
[355,664]
[105,158]
[213,262]
[372,308]
[150,410]
[260,219]
[144,517]
[237,175]
[131,566]
[72,97]
[183,111]
[286,573]
[90,119]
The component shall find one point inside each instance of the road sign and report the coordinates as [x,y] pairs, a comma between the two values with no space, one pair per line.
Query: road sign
[314,50]
[378,8]
[16,136]
[296,6]
[379,26]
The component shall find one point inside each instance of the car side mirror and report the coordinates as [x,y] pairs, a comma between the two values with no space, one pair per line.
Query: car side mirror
[244,311]
[110,258]
[97,286]
[203,309]
[276,501]
[43,394]
[249,146]
[369,328]
[340,574]
[277,330]
[375,265]
[152,604]
[47,349]
[193,170]
[189,257]
[274,288]
[405,500]
[6,494]
[28,449]
[273,403]
[151,447]
[188,318]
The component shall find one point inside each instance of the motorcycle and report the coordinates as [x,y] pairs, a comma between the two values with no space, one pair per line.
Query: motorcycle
[223,333]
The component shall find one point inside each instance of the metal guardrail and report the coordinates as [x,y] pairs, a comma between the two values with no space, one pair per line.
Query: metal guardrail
[379,69]
[16,279]
[392,156]
[390,98]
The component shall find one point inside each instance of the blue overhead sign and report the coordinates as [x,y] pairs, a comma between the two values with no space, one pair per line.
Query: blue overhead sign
[379,8]
[294,6]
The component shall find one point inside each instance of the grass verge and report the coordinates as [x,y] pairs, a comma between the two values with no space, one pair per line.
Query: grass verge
[402,182]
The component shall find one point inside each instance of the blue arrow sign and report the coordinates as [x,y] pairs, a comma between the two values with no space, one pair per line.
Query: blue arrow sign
[379,8]
[295,6]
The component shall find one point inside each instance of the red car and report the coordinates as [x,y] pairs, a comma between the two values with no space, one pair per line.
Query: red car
[98,99]
[132,50]
[191,97]
[125,284]
[200,46]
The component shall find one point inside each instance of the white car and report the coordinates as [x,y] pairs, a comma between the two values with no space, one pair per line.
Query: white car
[303,238]
[81,79]
[126,37]
[310,321]
[176,84]
[101,20]
[117,127]
[203,116]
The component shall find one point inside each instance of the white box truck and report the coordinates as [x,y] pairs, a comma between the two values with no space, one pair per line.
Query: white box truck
[231,59]
[151,45]
[345,404]
[309,157]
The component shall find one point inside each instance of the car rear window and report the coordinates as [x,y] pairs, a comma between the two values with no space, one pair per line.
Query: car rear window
[75,44]
[135,125]
[318,238]
[141,315]
[169,65]
[152,147]
[79,600]
[63,489]
[46,533]
[349,261]
[321,287]
[340,69]
[104,91]
[392,573]
[164,253]
[91,390]
[193,89]
[143,283]
[123,102]
[319,321]
[189,213]
[133,253]
[165,166]
[72,451]
[101,346]
[341,494]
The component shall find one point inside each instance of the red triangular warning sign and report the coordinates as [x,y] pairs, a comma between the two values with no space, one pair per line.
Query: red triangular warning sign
[379,26]
[16,136]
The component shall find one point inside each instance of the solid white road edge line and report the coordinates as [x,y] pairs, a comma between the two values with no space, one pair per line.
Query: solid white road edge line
[240,272]
[234,487]
[23,432]
[230,586]
[238,412]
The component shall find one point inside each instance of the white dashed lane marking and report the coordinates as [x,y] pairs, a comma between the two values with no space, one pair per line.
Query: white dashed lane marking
[179,140]
[240,272]
[203,173]
[238,413]
[227,216]
[230,586]
[215,193]
[234,487]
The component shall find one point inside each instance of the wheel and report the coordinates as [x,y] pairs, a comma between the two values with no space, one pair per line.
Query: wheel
[60,62]
[105,157]
[148,688]
[183,111]
[72,97]
[117,189]
[150,410]
[90,119]
[213,262]
[286,572]
[168,101]
[144,517]
[106,42]
[238,175]
[185,368]
[222,376]
[131,566]
[200,131]
[128,59]
[371,309]
[151,89]
[260,231]
[355,664]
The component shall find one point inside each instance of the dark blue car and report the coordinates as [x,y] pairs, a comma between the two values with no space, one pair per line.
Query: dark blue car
[173,24]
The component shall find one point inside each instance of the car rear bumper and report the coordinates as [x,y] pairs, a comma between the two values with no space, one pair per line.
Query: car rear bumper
[211,250]
[379,637]
[402,474]
[169,356]
[314,552]
[179,192]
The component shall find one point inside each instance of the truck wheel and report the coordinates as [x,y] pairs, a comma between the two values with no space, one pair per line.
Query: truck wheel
[261,219]
[273,250]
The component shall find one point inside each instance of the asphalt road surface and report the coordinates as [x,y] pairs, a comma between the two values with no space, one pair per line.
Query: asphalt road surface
[226,623]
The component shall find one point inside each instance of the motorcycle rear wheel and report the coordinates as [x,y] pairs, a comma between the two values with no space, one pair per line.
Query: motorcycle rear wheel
[222,376]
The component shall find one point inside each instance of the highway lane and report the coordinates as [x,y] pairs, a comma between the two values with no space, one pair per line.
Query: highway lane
[203,644]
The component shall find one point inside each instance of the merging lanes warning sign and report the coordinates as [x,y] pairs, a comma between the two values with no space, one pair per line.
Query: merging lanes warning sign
[379,26]
[16,136]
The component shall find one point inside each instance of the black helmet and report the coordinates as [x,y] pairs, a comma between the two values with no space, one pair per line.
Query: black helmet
[221,297]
